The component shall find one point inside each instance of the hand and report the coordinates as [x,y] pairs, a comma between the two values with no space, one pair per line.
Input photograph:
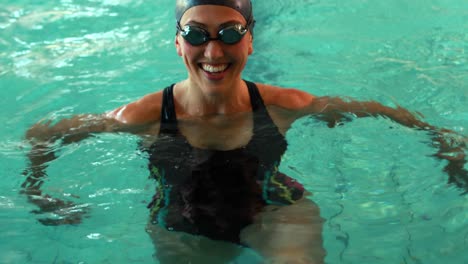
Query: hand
[70,219]
[65,212]
[452,148]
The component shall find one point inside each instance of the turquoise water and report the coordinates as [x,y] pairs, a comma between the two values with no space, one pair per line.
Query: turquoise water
[384,197]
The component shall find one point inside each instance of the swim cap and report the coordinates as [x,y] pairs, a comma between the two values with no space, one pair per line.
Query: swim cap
[242,6]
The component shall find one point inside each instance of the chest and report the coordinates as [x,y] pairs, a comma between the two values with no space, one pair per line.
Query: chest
[218,132]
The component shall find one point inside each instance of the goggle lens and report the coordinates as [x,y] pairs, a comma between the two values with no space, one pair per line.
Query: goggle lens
[194,36]
[231,35]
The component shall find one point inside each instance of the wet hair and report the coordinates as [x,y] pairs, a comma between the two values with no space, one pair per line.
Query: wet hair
[244,7]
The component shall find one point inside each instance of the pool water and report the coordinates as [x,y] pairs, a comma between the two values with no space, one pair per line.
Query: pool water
[385,199]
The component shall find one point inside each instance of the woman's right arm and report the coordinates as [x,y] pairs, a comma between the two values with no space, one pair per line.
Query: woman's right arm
[139,117]
[42,137]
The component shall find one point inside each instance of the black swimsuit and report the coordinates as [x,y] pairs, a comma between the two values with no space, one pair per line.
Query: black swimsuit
[212,192]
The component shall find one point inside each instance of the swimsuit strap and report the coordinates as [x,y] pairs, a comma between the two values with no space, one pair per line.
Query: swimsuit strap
[169,118]
[168,114]
[256,100]
[261,116]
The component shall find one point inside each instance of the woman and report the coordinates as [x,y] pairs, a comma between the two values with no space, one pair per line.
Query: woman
[215,143]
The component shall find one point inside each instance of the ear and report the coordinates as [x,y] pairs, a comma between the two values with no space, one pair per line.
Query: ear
[177,44]
[250,44]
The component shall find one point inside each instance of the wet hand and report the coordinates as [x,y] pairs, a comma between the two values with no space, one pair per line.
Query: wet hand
[62,212]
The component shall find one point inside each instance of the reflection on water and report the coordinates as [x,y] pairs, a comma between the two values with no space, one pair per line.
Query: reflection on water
[371,182]
[61,44]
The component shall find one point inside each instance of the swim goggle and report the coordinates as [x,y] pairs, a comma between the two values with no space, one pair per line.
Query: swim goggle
[197,36]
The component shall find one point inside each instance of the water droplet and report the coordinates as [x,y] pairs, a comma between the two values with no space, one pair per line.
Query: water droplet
[94,236]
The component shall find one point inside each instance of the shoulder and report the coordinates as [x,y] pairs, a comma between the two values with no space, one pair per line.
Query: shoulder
[285,105]
[287,98]
[143,111]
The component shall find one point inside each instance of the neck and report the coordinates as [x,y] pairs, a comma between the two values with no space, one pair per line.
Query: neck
[207,101]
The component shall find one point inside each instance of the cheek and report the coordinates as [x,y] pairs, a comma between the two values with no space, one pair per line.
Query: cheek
[186,51]
[189,53]
[246,46]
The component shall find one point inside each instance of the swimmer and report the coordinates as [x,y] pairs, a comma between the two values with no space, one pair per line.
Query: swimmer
[215,142]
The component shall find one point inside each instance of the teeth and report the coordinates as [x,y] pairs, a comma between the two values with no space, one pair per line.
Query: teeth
[214,69]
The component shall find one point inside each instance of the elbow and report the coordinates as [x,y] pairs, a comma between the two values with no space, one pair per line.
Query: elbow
[39,133]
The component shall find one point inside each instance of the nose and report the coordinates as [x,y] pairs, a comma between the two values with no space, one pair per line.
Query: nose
[214,50]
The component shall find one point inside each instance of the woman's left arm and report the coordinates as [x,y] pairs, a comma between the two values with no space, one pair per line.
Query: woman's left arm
[287,105]
[451,146]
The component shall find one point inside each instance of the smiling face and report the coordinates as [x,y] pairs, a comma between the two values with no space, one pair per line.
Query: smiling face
[214,66]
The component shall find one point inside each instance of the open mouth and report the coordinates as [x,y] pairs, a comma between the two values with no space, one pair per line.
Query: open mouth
[214,68]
